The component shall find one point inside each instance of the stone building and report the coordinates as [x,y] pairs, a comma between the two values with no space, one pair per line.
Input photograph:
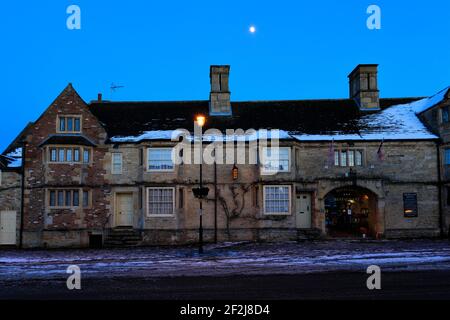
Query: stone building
[104,173]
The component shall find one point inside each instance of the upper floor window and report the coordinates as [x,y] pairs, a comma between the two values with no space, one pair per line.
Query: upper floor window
[160,159]
[348,158]
[69,124]
[116,163]
[276,159]
[445,114]
[277,200]
[69,155]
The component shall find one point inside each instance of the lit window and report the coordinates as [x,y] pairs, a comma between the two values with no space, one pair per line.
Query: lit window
[160,201]
[116,163]
[276,160]
[277,199]
[160,159]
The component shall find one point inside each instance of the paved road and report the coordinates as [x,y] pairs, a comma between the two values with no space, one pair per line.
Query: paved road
[407,285]
[309,270]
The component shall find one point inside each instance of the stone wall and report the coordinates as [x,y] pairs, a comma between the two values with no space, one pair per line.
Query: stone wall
[41,175]
[10,196]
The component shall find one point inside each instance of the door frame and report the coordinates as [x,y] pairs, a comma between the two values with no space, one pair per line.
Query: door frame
[116,206]
[297,209]
[13,213]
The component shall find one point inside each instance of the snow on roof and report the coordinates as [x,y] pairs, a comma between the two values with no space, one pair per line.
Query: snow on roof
[427,103]
[398,122]
[14,158]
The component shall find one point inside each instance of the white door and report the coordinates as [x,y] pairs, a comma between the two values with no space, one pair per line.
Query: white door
[303,207]
[8,228]
[124,211]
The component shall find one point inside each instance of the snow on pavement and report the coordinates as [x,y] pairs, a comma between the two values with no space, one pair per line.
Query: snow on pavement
[229,259]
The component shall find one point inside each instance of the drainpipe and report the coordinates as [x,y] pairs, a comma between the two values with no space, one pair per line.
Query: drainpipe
[441,211]
[215,202]
[22,201]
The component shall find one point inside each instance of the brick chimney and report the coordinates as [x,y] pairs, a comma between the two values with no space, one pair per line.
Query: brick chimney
[364,87]
[99,97]
[219,98]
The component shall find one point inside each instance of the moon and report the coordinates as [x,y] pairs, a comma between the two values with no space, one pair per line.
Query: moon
[252,29]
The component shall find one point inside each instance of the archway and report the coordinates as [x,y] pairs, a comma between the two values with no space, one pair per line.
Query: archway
[351,212]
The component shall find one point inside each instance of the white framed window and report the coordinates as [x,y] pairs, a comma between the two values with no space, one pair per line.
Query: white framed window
[116,166]
[276,160]
[277,200]
[348,158]
[159,159]
[69,124]
[160,202]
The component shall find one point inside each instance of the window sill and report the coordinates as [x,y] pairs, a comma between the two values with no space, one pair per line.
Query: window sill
[161,215]
[277,214]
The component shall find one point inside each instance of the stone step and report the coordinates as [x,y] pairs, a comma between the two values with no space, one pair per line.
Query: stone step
[123,237]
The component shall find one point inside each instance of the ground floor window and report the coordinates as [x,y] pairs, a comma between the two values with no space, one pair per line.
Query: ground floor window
[68,198]
[277,200]
[160,201]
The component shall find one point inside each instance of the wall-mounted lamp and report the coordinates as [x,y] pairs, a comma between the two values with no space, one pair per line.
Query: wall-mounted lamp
[235,172]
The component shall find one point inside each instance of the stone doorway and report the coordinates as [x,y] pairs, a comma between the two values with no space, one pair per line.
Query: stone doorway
[351,212]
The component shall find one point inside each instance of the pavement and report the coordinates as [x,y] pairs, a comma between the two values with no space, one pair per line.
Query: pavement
[418,269]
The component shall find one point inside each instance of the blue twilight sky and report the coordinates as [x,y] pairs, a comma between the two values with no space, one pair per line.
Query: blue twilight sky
[161,50]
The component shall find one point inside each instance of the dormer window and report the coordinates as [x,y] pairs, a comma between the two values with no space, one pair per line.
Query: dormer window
[69,124]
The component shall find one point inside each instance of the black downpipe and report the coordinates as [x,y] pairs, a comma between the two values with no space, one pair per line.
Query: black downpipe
[215,202]
[441,211]
[22,200]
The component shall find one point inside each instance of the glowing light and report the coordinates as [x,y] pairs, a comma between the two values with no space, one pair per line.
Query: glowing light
[201,120]
[252,29]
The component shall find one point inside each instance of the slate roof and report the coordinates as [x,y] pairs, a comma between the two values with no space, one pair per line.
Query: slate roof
[72,139]
[311,117]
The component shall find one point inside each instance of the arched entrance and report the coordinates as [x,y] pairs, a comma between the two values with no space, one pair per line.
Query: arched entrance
[351,212]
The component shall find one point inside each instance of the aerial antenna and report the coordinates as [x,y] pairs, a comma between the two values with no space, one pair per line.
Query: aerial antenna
[115,87]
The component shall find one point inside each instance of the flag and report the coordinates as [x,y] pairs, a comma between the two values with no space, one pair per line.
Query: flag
[331,154]
[380,151]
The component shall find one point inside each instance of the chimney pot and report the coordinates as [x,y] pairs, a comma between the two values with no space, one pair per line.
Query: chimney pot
[99,99]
